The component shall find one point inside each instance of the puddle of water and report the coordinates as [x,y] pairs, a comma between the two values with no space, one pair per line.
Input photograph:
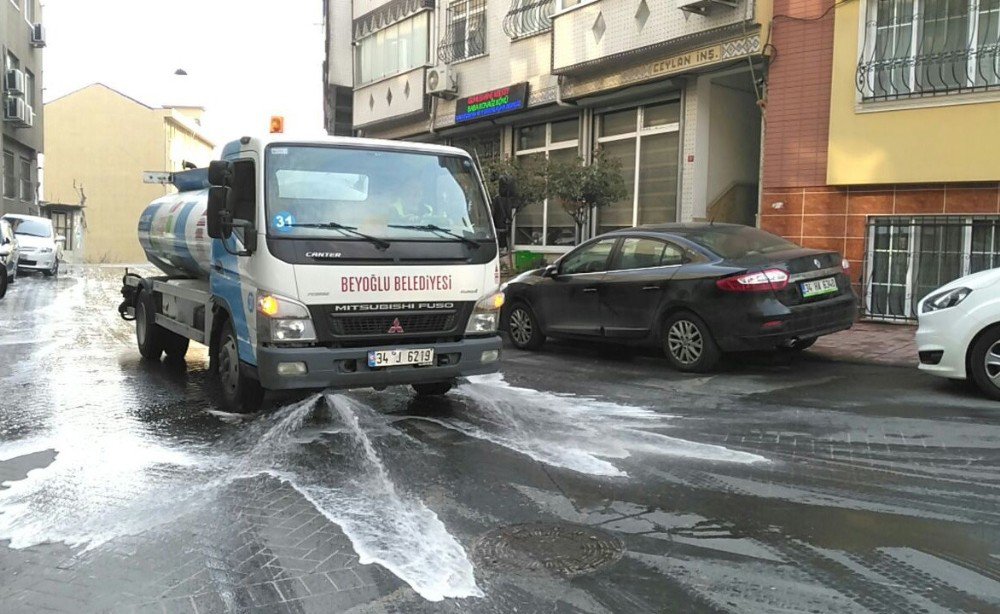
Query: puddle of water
[568,431]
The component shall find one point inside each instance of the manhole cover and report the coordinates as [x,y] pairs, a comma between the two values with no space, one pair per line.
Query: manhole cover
[562,548]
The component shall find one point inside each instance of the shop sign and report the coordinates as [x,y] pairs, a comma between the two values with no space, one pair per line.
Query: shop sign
[671,65]
[492,103]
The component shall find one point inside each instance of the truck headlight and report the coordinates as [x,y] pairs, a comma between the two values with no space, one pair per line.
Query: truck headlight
[486,315]
[282,320]
[945,300]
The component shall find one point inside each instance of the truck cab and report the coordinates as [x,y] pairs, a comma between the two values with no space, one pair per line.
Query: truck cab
[325,263]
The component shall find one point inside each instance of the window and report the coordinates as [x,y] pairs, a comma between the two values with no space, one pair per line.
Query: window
[592,258]
[546,223]
[646,253]
[482,147]
[29,86]
[11,62]
[400,47]
[29,11]
[9,178]
[465,33]
[527,17]
[910,257]
[646,140]
[27,186]
[921,47]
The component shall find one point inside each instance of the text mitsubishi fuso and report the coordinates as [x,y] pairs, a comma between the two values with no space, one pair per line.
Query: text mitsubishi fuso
[329,262]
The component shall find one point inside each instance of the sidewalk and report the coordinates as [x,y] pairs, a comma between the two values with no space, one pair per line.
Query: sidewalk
[870,343]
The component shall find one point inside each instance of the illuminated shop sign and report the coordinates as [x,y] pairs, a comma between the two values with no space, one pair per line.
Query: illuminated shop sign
[489,104]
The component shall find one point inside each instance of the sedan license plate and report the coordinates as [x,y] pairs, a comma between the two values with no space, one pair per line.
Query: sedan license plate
[818,287]
[395,358]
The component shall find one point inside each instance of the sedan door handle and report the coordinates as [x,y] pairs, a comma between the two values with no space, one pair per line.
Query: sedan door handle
[590,289]
[650,287]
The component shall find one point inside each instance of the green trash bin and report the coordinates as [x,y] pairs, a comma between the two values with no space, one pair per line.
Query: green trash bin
[526,261]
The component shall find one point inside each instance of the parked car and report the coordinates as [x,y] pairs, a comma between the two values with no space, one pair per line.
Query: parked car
[959,333]
[8,256]
[697,290]
[41,249]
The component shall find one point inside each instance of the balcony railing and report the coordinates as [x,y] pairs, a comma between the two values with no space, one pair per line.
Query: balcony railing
[528,17]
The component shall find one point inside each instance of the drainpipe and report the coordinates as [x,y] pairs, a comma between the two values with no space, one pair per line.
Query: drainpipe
[434,113]
[559,100]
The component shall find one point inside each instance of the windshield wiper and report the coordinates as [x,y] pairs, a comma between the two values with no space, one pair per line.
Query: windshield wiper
[379,243]
[435,228]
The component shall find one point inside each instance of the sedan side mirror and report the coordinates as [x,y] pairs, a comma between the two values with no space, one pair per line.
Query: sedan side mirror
[551,271]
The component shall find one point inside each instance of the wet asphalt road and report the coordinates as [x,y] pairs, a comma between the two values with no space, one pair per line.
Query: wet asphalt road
[775,486]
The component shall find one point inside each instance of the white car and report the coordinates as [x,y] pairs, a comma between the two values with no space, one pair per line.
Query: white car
[41,249]
[959,334]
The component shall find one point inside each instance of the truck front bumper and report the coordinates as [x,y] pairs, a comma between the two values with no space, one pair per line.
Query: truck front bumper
[348,367]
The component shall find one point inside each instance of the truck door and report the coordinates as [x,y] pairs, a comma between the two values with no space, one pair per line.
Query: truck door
[232,280]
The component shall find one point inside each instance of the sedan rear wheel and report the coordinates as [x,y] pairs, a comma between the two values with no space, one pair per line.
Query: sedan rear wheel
[688,343]
[984,363]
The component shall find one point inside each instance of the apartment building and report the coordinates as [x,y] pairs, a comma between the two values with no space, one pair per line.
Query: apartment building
[98,144]
[670,89]
[882,140]
[21,134]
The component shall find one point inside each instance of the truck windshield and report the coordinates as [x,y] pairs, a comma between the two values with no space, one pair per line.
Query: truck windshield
[322,191]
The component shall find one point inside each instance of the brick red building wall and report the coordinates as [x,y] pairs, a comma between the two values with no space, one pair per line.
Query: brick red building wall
[796,202]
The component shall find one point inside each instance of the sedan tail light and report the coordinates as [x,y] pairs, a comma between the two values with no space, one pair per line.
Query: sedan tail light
[764,281]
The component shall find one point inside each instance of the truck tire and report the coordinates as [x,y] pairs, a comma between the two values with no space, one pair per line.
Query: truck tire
[174,345]
[3,284]
[240,394]
[148,335]
[433,390]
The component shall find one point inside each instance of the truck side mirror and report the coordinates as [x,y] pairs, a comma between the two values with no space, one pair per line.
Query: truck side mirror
[506,187]
[218,228]
[220,172]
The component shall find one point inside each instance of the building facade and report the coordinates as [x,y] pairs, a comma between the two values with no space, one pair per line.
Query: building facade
[669,89]
[882,140]
[23,120]
[98,144]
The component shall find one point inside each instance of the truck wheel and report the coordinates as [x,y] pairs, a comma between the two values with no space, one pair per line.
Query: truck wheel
[148,335]
[688,343]
[433,390]
[3,284]
[174,345]
[240,394]
[984,363]
[523,328]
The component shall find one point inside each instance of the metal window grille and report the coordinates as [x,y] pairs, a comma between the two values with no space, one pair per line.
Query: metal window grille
[9,177]
[926,47]
[910,257]
[527,17]
[27,185]
[465,32]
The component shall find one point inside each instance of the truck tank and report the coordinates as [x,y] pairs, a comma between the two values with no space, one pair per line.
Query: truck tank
[173,229]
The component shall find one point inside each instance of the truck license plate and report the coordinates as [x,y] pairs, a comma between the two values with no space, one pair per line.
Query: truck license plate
[393,358]
[818,287]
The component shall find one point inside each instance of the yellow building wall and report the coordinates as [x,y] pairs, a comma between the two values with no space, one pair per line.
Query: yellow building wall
[103,141]
[954,143]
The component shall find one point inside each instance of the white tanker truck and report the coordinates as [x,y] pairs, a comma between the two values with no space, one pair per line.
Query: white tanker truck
[329,262]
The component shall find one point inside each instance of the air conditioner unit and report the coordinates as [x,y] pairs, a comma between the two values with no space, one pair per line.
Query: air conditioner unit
[15,111]
[441,82]
[705,7]
[29,117]
[37,35]
[14,82]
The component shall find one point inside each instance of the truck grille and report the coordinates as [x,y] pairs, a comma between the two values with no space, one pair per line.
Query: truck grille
[376,326]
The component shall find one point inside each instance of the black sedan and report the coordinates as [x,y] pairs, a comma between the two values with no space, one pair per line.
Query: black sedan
[697,290]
